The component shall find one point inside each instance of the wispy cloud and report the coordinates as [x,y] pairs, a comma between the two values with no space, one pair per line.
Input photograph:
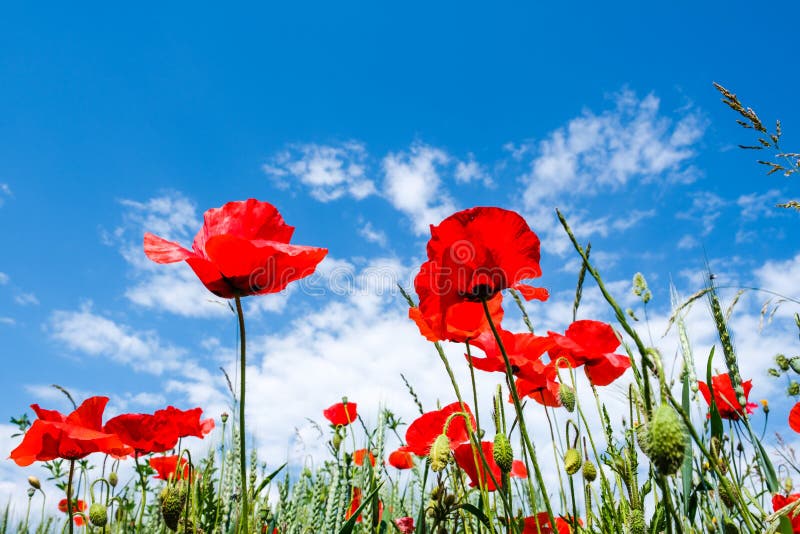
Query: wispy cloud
[328,171]
[92,334]
[26,299]
[598,152]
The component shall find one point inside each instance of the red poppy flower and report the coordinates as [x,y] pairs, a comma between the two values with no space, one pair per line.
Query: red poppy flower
[540,524]
[779,501]
[591,343]
[341,414]
[160,431]
[356,502]
[522,349]
[242,249]
[539,381]
[405,525]
[473,255]
[167,467]
[54,435]
[466,458]
[725,397]
[402,458]
[426,428]
[78,505]
[360,454]
[794,418]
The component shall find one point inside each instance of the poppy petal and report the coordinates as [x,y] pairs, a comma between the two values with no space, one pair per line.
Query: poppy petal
[160,250]
[794,418]
[604,371]
[532,293]
[248,219]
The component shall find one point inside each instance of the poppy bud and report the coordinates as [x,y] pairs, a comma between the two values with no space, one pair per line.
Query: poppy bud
[774,372]
[589,471]
[449,500]
[765,405]
[641,438]
[636,522]
[98,514]
[502,452]
[224,417]
[793,389]
[31,493]
[113,479]
[440,453]
[794,363]
[173,499]
[782,362]
[34,482]
[572,461]
[567,397]
[666,440]
[788,485]
[336,441]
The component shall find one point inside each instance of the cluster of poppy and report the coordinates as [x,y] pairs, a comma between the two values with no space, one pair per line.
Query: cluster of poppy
[474,255]
[71,437]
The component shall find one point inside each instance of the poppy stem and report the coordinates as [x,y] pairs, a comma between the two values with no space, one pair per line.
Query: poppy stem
[520,418]
[242,451]
[69,496]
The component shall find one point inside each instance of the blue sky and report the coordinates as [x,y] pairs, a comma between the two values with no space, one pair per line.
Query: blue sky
[363,123]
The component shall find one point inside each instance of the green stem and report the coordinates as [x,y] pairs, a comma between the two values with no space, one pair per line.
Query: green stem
[242,438]
[221,479]
[69,496]
[518,407]
[28,512]
[143,483]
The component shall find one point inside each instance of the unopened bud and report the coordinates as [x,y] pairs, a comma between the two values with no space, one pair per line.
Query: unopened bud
[502,452]
[567,396]
[224,417]
[794,363]
[572,461]
[113,479]
[589,471]
[34,482]
[98,514]
[782,362]
[440,453]
[31,493]
[788,485]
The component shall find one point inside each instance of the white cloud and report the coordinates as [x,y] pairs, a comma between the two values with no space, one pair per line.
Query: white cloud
[780,276]
[95,335]
[5,192]
[175,289]
[8,321]
[26,299]
[596,153]
[4,279]
[413,185]
[706,208]
[687,241]
[757,206]
[368,232]
[329,172]
[171,216]
[472,171]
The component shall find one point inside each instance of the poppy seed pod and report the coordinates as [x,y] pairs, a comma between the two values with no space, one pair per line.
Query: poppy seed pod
[440,453]
[98,514]
[782,362]
[567,397]
[589,471]
[572,461]
[502,453]
[641,438]
[666,440]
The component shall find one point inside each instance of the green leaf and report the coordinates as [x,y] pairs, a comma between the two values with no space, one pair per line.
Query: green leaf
[477,512]
[351,523]
[686,469]
[268,480]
